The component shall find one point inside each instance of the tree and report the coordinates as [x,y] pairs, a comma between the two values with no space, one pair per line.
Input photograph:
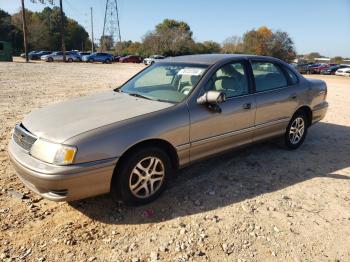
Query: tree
[106,42]
[337,60]
[263,41]
[311,57]
[207,47]
[258,42]
[282,46]
[9,32]
[170,24]
[170,38]
[232,45]
[44,30]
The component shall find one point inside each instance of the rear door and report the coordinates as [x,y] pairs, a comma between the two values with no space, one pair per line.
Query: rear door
[276,98]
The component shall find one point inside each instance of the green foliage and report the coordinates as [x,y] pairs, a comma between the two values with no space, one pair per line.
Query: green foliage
[9,32]
[337,60]
[43,30]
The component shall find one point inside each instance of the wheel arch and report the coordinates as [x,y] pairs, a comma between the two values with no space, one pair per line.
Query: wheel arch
[308,112]
[160,143]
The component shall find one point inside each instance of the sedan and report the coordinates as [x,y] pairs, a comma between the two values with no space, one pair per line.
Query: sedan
[98,57]
[331,70]
[130,59]
[128,141]
[58,56]
[38,55]
[343,71]
[151,60]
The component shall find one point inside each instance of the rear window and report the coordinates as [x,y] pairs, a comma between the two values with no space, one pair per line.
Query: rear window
[268,76]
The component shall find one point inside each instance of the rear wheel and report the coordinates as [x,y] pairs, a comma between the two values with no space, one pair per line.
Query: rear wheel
[142,176]
[91,60]
[296,131]
[50,59]
[107,61]
[70,60]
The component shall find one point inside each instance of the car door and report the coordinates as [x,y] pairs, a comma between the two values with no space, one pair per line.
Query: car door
[276,98]
[58,56]
[213,131]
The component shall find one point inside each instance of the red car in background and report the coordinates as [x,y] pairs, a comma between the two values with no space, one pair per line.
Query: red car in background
[131,59]
[317,69]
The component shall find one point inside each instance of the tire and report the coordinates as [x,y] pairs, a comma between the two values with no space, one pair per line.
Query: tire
[107,61]
[296,131]
[50,59]
[91,60]
[133,185]
[70,60]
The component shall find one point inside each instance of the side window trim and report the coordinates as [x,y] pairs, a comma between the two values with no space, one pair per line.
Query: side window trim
[289,80]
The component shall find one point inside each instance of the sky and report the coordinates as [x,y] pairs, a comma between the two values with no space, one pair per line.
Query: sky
[315,25]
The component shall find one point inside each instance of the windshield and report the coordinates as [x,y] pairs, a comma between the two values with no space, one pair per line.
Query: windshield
[165,82]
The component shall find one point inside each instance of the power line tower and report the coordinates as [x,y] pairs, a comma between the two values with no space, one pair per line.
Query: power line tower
[111,28]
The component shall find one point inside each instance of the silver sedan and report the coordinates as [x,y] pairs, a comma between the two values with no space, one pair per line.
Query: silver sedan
[128,141]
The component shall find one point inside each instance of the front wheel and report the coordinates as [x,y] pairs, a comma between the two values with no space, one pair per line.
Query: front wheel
[142,176]
[296,131]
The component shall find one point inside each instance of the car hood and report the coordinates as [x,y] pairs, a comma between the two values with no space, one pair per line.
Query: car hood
[62,121]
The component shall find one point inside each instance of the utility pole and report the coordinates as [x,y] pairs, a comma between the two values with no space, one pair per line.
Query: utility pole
[62,32]
[92,32]
[25,38]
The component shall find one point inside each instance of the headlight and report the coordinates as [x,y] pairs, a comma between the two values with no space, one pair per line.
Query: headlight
[53,153]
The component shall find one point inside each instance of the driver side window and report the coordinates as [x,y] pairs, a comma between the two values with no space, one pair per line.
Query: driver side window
[230,79]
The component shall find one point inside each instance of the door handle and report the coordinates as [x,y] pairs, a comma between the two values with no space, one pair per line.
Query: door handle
[294,96]
[247,106]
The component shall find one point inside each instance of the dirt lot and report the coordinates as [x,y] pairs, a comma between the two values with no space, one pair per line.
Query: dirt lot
[262,203]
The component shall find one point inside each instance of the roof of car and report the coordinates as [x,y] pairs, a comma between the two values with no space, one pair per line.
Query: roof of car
[206,59]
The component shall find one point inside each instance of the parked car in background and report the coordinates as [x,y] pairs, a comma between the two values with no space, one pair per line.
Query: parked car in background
[151,60]
[58,56]
[331,70]
[98,57]
[23,55]
[131,59]
[75,54]
[317,68]
[37,55]
[84,53]
[116,58]
[129,140]
[303,68]
[343,71]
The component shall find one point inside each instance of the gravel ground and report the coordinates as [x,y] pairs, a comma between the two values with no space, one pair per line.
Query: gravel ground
[261,203]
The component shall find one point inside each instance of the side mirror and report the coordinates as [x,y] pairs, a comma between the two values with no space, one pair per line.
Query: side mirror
[212,98]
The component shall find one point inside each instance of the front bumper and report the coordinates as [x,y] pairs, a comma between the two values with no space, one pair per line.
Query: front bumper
[62,183]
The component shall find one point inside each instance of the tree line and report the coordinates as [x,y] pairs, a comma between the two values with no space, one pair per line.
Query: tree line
[168,38]
[43,31]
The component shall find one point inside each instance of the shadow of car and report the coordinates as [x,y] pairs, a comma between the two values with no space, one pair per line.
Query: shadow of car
[234,177]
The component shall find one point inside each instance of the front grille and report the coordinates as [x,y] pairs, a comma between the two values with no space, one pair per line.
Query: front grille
[23,137]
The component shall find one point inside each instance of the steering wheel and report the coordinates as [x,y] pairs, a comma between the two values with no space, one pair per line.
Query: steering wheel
[185,90]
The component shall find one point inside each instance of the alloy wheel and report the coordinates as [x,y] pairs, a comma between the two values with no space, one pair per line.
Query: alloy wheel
[296,130]
[147,177]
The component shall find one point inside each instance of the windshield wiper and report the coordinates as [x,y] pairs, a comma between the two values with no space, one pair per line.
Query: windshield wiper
[139,95]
